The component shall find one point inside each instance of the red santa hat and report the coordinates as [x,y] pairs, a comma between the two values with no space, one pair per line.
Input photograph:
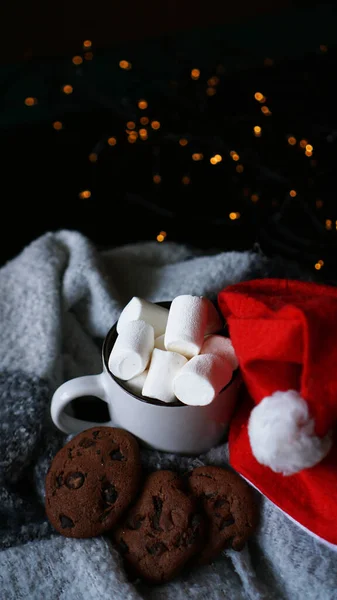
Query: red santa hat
[282,435]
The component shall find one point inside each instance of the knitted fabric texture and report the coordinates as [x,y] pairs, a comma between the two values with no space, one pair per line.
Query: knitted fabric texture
[58,299]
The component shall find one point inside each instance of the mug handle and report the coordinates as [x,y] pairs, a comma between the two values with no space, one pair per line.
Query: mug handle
[89,385]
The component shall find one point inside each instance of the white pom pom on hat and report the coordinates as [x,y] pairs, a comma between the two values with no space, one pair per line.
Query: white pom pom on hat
[281,434]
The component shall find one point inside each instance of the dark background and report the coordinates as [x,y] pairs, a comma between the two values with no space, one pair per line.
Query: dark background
[284,50]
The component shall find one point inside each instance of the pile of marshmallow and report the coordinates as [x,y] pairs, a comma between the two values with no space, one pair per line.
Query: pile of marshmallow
[170,354]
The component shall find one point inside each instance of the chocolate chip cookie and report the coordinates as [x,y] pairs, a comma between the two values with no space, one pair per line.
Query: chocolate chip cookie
[162,531]
[230,506]
[91,481]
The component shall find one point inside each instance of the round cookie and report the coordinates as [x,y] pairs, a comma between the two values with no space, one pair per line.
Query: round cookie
[91,481]
[230,506]
[162,531]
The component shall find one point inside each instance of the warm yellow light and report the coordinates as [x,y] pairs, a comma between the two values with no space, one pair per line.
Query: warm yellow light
[293,193]
[93,157]
[131,124]
[321,262]
[328,224]
[218,157]
[213,81]
[259,97]
[144,120]
[257,130]
[112,141]
[211,91]
[319,203]
[87,43]
[142,104]
[30,101]
[197,156]
[84,194]
[68,89]
[239,168]
[303,143]
[88,55]
[143,134]
[155,124]
[309,147]
[57,125]
[318,266]
[124,64]
[77,60]
[186,180]
[308,153]
[254,197]
[234,215]
[160,237]
[323,48]
[195,74]
[183,142]
[163,233]
[234,155]
[265,110]
[291,140]
[133,135]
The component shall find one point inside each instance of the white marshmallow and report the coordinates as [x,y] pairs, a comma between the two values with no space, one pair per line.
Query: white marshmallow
[214,321]
[164,366]
[201,379]
[135,384]
[159,342]
[139,309]
[132,350]
[186,325]
[221,346]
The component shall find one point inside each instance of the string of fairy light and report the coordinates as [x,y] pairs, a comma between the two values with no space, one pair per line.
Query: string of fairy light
[138,131]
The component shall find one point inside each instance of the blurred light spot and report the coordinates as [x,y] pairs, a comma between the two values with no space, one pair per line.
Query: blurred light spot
[30,101]
[257,130]
[68,89]
[84,194]
[142,104]
[57,125]
[183,142]
[291,140]
[293,193]
[259,97]
[77,60]
[156,178]
[155,124]
[93,157]
[112,141]
[124,64]
[195,74]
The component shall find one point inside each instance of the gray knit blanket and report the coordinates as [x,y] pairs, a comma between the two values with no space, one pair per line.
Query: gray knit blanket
[58,299]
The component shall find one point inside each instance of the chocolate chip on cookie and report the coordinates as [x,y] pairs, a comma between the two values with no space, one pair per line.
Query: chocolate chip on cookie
[91,481]
[162,531]
[230,506]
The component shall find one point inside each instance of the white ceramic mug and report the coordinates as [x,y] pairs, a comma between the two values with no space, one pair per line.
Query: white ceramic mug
[168,427]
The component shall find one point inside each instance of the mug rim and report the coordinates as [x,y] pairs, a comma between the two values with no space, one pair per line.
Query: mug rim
[152,401]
